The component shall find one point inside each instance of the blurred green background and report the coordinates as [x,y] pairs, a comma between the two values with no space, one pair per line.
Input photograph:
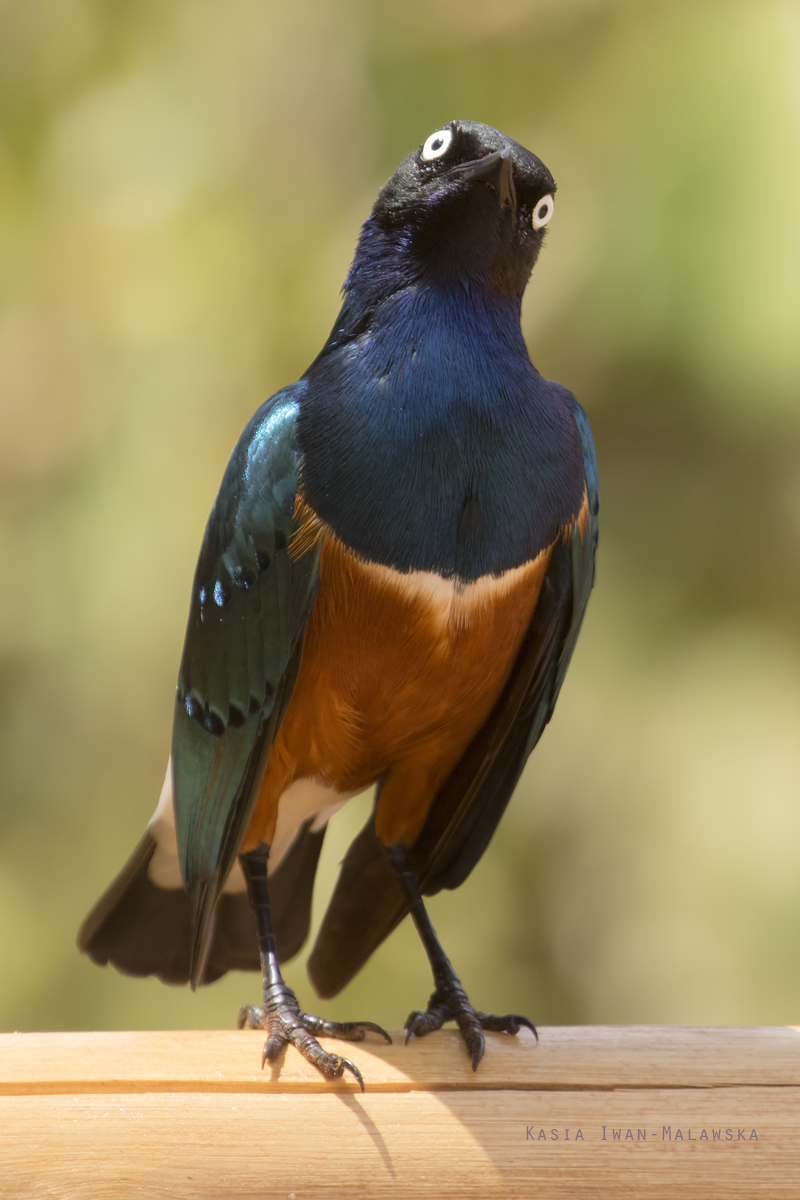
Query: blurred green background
[181,186]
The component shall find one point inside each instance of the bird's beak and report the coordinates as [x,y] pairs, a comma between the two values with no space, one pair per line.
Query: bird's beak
[497,170]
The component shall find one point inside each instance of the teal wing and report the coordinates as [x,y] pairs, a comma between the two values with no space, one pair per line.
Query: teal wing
[250,604]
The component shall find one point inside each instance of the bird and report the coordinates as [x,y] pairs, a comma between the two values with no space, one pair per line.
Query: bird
[388,594]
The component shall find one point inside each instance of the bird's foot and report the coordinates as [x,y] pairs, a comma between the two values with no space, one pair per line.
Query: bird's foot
[449,1003]
[286,1025]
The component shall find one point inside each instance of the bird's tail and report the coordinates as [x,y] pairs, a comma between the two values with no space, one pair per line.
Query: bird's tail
[143,929]
[367,903]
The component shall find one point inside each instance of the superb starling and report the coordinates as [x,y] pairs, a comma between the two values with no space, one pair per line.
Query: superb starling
[388,593]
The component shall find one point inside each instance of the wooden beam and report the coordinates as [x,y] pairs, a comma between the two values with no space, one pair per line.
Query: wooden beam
[589,1112]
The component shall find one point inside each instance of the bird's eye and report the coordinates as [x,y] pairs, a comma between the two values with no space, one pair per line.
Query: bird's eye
[542,212]
[437,144]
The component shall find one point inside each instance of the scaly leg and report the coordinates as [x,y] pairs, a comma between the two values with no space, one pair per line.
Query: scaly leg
[449,1000]
[280,1013]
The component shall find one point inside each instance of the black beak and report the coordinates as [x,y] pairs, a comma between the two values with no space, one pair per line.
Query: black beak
[498,171]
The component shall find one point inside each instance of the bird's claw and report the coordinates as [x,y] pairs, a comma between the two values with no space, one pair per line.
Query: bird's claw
[510,1023]
[348,1031]
[287,1025]
[451,1004]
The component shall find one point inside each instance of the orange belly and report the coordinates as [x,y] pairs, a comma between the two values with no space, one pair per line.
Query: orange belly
[398,673]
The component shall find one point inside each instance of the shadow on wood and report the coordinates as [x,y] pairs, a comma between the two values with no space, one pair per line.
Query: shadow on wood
[591,1111]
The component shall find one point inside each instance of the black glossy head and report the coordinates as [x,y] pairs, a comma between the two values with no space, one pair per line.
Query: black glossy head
[472,203]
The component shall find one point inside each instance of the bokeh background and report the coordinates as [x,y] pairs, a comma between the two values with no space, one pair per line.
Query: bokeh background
[181,186]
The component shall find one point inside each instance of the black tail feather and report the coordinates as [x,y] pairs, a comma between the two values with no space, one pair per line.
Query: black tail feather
[291,890]
[367,903]
[142,929]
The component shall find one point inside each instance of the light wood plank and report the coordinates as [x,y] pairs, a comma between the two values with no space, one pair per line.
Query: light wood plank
[420,1144]
[573,1057]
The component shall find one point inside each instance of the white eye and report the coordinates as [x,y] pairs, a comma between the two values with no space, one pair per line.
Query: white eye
[437,144]
[543,212]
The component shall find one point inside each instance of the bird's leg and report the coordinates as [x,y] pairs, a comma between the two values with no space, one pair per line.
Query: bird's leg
[280,1013]
[449,1000]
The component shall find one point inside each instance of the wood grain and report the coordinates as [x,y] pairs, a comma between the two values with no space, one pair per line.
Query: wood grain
[662,1112]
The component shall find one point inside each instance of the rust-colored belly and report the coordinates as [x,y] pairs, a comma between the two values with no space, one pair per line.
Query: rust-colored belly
[398,673]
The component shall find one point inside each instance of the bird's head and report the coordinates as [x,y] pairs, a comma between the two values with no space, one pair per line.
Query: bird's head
[470,205]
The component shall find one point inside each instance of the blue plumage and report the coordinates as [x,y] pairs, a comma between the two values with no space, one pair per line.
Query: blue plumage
[431,442]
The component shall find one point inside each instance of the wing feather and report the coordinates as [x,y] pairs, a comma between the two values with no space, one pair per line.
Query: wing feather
[249,608]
